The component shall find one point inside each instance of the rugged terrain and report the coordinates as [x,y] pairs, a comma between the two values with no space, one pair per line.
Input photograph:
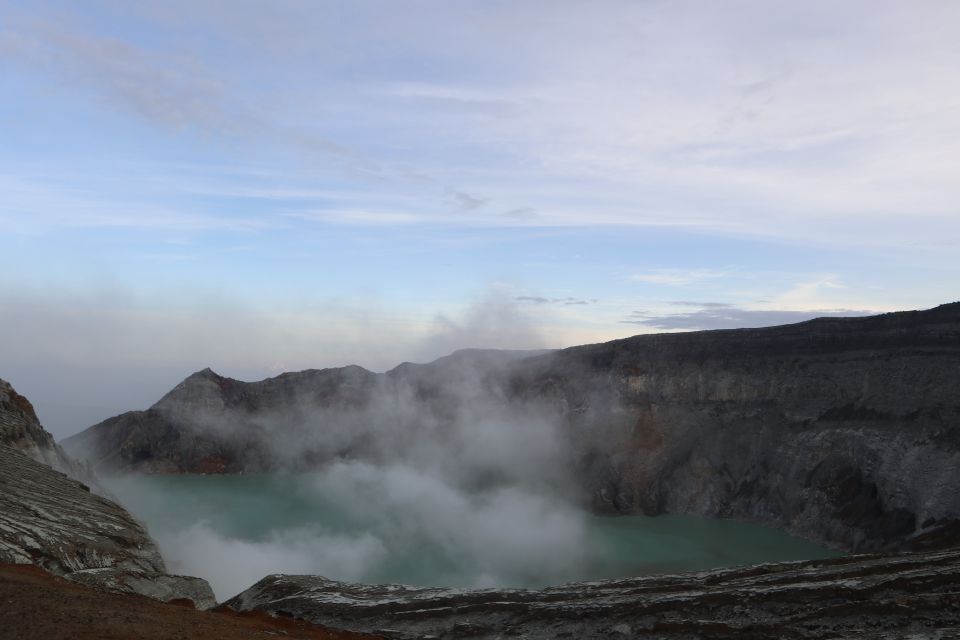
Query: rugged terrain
[845,431]
[842,430]
[882,596]
[40,606]
[58,523]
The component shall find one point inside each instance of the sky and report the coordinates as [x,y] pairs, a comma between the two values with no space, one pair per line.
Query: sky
[262,187]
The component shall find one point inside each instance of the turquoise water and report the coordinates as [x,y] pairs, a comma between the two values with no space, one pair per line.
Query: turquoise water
[404,528]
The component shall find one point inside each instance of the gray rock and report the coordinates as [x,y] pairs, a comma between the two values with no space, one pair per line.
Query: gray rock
[56,522]
[865,596]
[20,429]
[48,519]
[159,586]
[842,430]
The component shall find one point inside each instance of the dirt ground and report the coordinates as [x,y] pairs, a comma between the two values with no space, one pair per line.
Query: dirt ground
[37,605]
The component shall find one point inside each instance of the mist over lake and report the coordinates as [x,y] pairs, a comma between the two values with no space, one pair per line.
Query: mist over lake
[358,522]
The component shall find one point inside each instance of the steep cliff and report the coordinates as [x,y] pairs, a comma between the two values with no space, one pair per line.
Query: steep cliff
[846,431]
[842,430]
[20,429]
[56,522]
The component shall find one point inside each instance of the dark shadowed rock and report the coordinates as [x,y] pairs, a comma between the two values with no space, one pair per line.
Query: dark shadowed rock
[841,430]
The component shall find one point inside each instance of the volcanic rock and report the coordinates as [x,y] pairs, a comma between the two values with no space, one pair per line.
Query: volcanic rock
[20,428]
[845,431]
[906,595]
[58,523]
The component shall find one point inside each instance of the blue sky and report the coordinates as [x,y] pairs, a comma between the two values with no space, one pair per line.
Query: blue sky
[269,186]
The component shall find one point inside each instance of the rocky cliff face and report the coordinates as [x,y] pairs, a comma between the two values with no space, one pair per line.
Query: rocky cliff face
[56,522]
[59,524]
[21,430]
[844,431]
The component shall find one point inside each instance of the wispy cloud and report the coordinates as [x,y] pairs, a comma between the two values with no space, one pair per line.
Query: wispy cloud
[185,92]
[37,204]
[723,316]
[703,305]
[678,277]
[468,202]
[798,123]
[171,91]
[568,301]
[359,216]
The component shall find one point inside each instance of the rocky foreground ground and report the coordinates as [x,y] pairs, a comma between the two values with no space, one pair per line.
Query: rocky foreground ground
[36,605]
[910,595]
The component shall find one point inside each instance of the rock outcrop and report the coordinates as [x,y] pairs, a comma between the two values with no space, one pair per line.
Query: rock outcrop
[58,523]
[20,429]
[880,596]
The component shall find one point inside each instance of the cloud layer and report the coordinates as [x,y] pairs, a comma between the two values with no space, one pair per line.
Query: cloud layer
[326,183]
[715,315]
[791,122]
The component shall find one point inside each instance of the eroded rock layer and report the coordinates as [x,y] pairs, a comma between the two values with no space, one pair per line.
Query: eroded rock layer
[20,429]
[879,596]
[53,521]
[56,522]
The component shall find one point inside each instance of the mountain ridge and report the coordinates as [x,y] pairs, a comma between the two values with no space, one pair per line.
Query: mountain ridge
[845,431]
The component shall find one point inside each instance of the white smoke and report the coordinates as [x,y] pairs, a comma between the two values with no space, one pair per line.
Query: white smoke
[507,536]
[230,564]
[438,458]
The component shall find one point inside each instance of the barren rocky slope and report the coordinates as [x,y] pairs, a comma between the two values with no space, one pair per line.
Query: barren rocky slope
[58,523]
